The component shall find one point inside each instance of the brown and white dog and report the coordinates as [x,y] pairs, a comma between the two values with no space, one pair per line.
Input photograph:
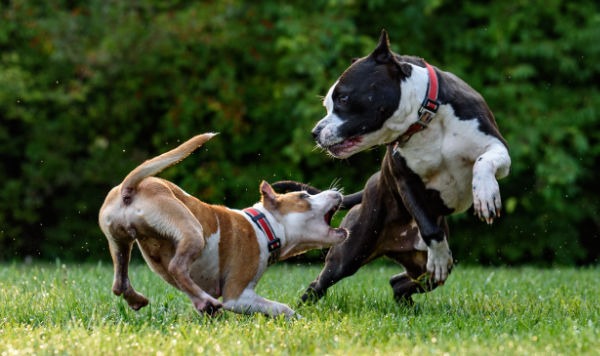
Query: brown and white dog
[210,251]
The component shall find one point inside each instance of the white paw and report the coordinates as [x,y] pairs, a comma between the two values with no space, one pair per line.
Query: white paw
[486,198]
[439,261]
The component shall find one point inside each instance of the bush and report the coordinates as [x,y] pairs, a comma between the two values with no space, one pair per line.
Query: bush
[90,89]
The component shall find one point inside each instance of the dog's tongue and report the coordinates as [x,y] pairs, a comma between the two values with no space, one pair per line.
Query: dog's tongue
[328,217]
[347,143]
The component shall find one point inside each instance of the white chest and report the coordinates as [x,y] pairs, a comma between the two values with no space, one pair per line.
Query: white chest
[443,156]
[205,269]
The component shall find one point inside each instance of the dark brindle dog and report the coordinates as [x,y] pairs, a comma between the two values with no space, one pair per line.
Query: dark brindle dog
[444,154]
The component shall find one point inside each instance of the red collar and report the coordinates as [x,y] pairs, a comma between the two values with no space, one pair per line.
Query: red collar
[263,224]
[428,108]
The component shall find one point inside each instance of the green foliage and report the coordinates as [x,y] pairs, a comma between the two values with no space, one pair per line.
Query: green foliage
[479,311]
[89,89]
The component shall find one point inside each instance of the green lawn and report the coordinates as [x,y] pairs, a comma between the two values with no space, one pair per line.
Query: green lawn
[69,309]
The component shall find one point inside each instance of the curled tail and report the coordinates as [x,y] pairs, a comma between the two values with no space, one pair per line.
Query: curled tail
[155,165]
[285,186]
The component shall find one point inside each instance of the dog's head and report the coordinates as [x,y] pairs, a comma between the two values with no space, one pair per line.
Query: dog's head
[360,103]
[305,217]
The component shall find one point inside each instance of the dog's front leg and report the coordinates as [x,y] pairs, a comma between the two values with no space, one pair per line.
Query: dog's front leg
[249,302]
[415,198]
[120,252]
[493,164]
[439,256]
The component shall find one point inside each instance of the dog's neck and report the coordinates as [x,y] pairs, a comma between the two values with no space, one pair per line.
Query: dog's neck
[291,244]
[270,230]
[414,90]
[427,109]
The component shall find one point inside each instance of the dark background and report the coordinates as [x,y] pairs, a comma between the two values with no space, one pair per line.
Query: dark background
[89,89]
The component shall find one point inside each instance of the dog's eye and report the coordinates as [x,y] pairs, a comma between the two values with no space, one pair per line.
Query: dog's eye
[304,196]
[343,99]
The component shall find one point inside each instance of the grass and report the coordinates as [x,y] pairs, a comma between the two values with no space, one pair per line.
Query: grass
[69,309]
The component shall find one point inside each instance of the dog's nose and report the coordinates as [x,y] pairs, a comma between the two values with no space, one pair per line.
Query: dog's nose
[316,132]
[334,194]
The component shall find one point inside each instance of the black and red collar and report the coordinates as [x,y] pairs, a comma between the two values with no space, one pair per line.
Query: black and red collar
[274,243]
[428,109]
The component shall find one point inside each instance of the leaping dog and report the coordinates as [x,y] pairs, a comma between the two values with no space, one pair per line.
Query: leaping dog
[444,154]
[210,251]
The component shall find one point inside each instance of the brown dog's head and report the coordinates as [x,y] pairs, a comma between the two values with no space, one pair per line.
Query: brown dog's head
[306,218]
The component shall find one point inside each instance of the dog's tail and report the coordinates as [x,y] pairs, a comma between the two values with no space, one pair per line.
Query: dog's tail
[157,164]
[284,186]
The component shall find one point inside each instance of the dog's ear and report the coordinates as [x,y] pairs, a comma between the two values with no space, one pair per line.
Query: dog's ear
[405,68]
[268,195]
[382,53]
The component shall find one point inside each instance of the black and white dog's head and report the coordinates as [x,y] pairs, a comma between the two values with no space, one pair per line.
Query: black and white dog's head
[362,101]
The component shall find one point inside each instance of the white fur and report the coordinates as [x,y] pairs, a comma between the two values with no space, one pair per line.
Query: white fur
[250,302]
[492,164]
[439,260]
[205,270]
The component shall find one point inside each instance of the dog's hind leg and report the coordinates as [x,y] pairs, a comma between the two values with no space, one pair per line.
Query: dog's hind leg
[415,278]
[175,221]
[120,242]
[120,250]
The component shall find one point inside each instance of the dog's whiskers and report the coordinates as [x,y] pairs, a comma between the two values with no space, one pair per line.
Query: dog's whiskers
[317,147]
[335,185]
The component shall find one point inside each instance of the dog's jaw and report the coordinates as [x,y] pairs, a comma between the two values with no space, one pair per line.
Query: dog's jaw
[306,230]
[328,137]
[346,148]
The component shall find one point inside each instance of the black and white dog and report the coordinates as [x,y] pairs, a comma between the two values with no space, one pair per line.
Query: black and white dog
[444,153]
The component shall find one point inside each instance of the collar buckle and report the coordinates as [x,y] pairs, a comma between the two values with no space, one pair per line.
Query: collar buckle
[426,112]
[274,245]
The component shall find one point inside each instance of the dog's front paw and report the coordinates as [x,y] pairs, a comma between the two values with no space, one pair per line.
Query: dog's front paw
[486,198]
[288,313]
[312,295]
[293,317]
[439,261]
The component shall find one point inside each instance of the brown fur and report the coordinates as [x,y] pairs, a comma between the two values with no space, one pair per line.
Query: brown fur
[291,203]
[238,247]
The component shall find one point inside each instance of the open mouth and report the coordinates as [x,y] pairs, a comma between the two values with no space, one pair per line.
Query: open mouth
[339,149]
[329,215]
[343,233]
